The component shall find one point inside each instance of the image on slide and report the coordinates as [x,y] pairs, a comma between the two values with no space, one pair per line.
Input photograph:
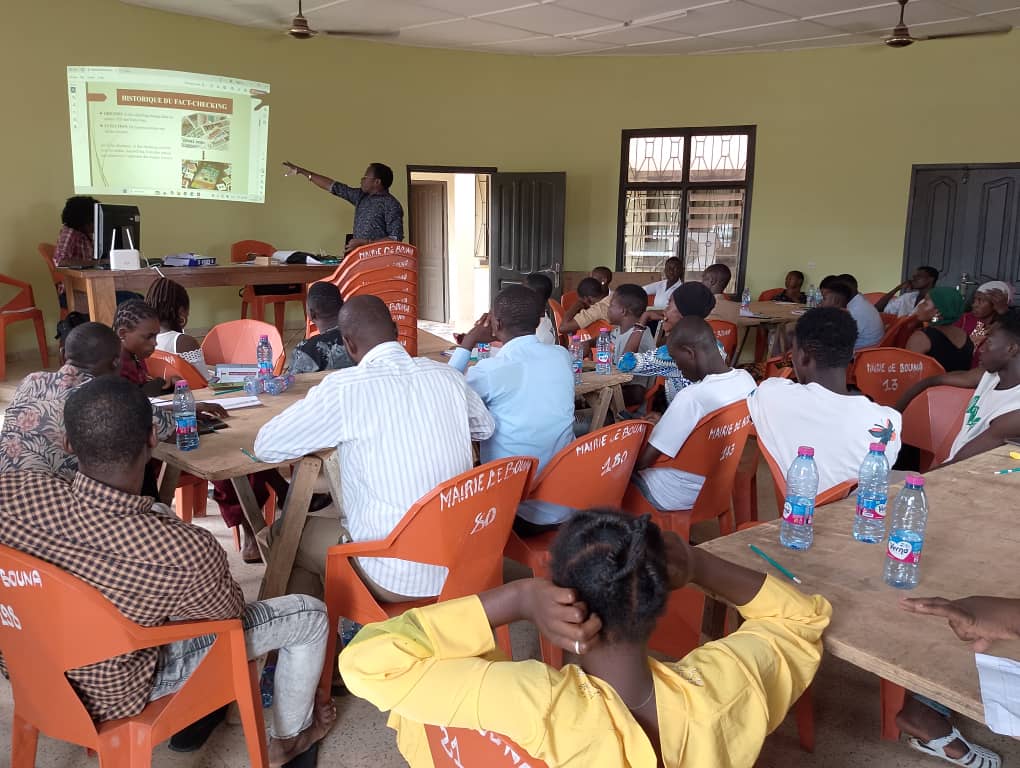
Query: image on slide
[206,174]
[203,131]
[159,132]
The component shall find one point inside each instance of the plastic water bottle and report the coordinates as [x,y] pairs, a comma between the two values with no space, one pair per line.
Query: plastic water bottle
[264,357]
[185,417]
[484,350]
[576,357]
[906,535]
[279,384]
[872,496]
[811,298]
[254,385]
[797,531]
[745,300]
[604,354]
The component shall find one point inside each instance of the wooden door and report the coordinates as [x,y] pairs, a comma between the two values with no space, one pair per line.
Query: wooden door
[526,227]
[428,232]
[965,219]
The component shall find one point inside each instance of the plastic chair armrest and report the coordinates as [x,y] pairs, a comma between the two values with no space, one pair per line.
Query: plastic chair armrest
[173,631]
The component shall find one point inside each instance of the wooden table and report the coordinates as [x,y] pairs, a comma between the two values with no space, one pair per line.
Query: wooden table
[771,313]
[970,548]
[93,291]
[219,457]
[601,390]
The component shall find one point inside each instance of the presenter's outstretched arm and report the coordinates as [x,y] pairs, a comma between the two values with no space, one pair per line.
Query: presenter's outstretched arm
[325,182]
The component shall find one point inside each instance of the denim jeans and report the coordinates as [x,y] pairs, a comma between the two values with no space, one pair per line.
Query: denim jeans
[296,625]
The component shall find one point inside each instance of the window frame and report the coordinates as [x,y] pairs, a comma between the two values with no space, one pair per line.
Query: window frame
[685,186]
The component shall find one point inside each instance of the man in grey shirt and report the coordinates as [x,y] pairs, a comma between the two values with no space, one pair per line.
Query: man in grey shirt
[378,215]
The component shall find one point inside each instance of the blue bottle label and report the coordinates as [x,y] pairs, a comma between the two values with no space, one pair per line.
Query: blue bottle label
[872,509]
[904,547]
[798,511]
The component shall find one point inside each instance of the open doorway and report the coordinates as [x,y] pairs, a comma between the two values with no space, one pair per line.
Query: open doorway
[448,217]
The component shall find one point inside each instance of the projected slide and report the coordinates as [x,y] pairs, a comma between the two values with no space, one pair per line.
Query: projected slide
[167,134]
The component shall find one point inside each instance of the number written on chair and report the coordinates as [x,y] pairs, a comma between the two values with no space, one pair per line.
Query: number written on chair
[483,520]
[9,618]
[614,462]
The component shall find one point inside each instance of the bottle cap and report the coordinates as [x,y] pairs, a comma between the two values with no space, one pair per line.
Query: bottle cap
[879,447]
[181,384]
[805,450]
[264,337]
[915,480]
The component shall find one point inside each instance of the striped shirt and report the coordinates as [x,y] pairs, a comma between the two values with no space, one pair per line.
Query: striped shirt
[402,425]
[144,560]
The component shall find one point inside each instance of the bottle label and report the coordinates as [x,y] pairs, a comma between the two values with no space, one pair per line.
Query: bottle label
[798,511]
[902,549]
[187,425]
[602,357]
[872,509]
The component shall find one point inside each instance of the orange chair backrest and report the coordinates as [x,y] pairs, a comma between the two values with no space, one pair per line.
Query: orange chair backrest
[678,630]
[568,299]
[361,278]
[43,611]
[829,495]
[888,320]
[781,366]
[239,251]
[235,341]
[932,421]
[23,299]
[713,451]
[466,748]
[557,313]
[885,373]
[770,294]
[166,364]
[47,251]
[376,256]
[591,332]
[726,333]
[896,335]
[874,296]
[462,524]
[594,470]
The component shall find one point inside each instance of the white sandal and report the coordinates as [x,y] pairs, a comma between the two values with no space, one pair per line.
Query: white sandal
[975,757]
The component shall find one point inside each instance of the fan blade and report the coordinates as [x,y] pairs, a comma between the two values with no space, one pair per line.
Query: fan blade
[362,33]
[981,33]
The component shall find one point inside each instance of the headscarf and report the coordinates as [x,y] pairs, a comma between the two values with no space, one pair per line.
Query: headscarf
[694,299]
[949,304]
[997,285]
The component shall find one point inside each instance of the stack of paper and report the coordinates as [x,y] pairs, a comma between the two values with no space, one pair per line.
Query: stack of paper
[1000,693]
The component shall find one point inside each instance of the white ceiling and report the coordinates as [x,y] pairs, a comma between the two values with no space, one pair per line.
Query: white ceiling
[615,27]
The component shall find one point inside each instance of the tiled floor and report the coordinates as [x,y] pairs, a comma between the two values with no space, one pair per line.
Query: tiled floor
[846,702]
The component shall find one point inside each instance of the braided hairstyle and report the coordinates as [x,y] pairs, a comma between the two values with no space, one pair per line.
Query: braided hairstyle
[131,313]
[617,565]
[168,299]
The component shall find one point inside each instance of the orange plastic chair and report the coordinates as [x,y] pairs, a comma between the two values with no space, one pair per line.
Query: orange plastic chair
[239,252]
[874,296]
[235,341]
[827,496]
[376,256]
[885,373]
[557,313]
[591,332]
[568,299]
[888,320]
[713,451]
[932,421]
[781,366]
[36,638]
[47,250]
[726,333]
[770,294]
[467,748]
[593,471]
[21,307]
[462,524]
[361,279]
[896,335]
[167,364]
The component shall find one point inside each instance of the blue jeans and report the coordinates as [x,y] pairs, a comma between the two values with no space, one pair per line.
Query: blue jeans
[296,626]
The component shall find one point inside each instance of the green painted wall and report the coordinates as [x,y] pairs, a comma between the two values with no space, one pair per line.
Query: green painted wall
[838,131]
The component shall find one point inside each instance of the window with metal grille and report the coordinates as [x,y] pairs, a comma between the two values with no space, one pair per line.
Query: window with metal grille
[685,192]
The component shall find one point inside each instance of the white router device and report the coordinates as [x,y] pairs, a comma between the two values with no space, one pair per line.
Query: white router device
[124,258]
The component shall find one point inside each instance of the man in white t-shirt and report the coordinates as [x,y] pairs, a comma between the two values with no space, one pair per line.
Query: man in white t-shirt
[820,411]
[660,291]
[841,291]
[911,292]
[715,385]
[542,285]
[993,414]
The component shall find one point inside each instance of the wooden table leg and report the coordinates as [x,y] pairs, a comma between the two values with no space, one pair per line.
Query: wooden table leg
[743,341]
[168,483]
[599,402]
[102,299]
[619,404]
[280,560]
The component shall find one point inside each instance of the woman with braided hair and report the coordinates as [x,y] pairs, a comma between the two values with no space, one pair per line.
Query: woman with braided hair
[172,305]
[612,575]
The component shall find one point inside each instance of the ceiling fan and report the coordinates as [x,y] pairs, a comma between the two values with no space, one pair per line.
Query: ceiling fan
[300,30]
[901,37]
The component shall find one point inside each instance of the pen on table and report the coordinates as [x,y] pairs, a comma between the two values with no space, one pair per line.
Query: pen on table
[1006,471]
[774,564]
[251,455]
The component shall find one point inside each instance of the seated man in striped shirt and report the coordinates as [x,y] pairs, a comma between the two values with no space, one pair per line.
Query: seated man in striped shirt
[402,425]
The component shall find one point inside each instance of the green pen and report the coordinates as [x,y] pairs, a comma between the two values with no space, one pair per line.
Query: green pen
[774,564]
[1006,471]
[251,455]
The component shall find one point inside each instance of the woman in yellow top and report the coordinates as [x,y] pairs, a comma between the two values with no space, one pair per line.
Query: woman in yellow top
[619,707]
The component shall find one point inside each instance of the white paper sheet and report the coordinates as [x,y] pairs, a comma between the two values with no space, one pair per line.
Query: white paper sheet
[233,403]
[1000,693]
